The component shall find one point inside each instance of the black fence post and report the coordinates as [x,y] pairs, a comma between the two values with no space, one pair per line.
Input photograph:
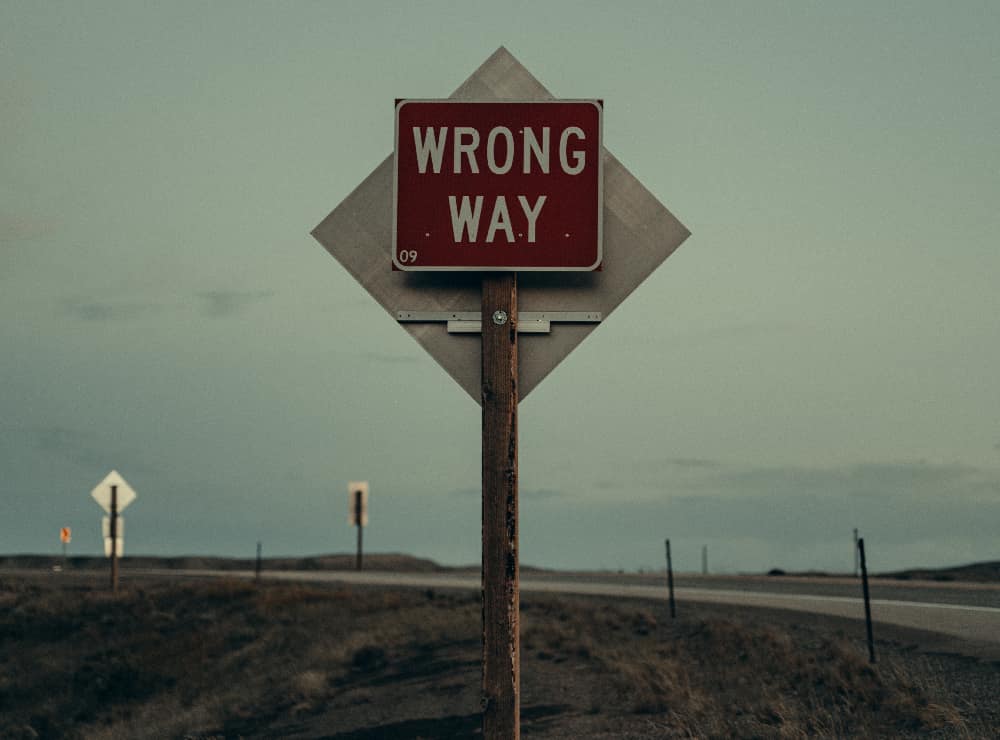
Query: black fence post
[256,571]
[868,606]
[670,582]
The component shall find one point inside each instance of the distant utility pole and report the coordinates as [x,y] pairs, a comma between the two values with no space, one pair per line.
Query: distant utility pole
[856,552]
[704,560]
[256,574]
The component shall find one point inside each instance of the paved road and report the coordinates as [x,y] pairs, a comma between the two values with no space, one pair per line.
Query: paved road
[963,594]
[931,607]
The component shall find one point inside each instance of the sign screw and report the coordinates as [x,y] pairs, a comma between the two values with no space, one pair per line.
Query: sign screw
[499,318]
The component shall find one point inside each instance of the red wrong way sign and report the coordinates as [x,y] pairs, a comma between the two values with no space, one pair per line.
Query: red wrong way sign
[498,186]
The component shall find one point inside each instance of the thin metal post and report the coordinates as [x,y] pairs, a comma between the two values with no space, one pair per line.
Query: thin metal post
[500,570]
[704,560]
[868,606]
[256,571]
[856,564]
[670,582]
[357,521]
[114,539]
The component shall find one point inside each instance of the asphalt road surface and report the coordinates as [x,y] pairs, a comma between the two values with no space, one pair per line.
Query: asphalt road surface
[966,611]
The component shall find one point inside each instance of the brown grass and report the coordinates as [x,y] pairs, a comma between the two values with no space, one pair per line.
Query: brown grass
[720,678]
[229,659]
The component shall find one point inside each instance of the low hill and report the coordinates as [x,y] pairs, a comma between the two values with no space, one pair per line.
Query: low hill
[375,561]
[987,572]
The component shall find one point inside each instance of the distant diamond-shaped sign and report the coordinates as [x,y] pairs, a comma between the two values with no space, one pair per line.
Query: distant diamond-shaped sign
[102,493]
[638,234]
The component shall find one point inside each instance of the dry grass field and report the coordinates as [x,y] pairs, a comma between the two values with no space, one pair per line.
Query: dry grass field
[229,659]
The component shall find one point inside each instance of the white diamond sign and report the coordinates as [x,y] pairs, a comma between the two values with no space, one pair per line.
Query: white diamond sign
[102,493]
[638,234]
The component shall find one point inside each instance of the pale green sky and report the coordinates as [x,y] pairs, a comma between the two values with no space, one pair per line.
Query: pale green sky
[821,354]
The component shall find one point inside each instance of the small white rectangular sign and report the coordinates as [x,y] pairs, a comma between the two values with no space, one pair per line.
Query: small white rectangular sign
[358,503]
[119,527]
[119,549]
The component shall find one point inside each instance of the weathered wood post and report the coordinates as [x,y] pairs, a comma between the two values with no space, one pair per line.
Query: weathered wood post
[357,520]
[501,601]
[113,534]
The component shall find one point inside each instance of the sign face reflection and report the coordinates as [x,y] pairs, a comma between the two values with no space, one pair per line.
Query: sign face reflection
[483,186]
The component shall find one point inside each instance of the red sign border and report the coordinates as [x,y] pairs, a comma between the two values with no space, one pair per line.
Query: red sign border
[597,266]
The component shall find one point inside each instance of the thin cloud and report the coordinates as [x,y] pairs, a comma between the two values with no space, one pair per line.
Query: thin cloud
[81,448]
[898,503]
[540,494]
[695,462]
[219,304]
[740,331]
[215,304]
[70,445]
[905,502]
[870,480]
[535,494]
[654,474]
[103,311]
[388,358]
[18,228]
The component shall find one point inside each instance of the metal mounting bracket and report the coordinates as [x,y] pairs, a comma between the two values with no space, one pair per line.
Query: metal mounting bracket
[528,322]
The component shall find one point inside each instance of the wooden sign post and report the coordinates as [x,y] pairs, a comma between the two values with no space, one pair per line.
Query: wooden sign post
[357,521]
[358,493]
[501,599]
[113,494]
[113,533]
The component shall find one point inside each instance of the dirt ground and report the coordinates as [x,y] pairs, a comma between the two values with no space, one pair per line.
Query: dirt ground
[230,659]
